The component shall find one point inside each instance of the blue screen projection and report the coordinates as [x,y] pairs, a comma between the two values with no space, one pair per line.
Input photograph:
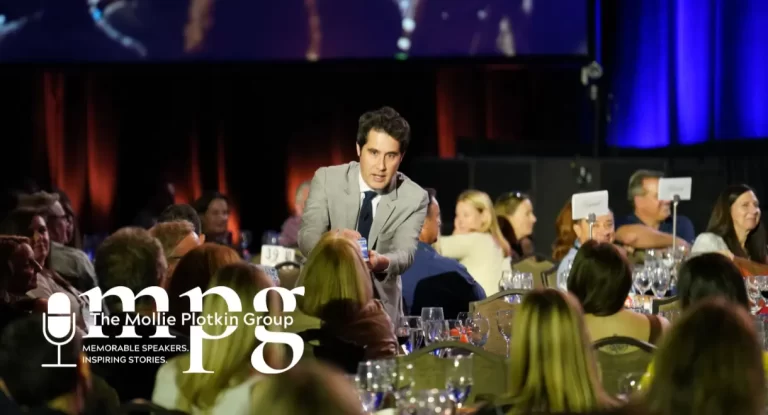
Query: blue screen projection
[291,30]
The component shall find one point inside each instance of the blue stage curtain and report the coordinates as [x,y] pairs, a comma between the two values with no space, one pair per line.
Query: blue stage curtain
[689,71]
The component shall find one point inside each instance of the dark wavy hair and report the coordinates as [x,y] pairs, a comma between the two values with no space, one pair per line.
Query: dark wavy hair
[721,224]
[600,278]
[710,275]
[386,120]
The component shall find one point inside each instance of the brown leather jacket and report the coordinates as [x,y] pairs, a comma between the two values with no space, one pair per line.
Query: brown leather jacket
[369,327]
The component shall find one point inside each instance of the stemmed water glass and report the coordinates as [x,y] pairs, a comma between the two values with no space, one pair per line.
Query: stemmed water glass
[562,277]
[435,331]
[432,313]
[374,380]
[641,279]
[478,328]
[455,330]
[504,323]
[459,379]
[413,328]
[659,281]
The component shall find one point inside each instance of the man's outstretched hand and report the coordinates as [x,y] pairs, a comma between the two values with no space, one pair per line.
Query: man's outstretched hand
[377,262]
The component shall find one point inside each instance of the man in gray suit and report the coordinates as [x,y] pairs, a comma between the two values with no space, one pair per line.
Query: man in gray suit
[371,199]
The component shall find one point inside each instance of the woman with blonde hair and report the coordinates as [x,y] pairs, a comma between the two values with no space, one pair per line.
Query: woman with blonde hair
[477,242]
[339,292]
[560,373]
[195,270]
[309,388]
[516,219]
[227,389]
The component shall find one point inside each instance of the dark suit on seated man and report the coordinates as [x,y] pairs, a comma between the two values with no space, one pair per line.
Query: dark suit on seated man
[434,280]
[371,199]
[650,226]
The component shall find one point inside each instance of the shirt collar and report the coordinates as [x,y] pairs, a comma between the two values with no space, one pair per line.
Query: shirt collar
[365,188]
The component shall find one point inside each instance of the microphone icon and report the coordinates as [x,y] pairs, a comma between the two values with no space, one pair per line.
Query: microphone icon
[57,321]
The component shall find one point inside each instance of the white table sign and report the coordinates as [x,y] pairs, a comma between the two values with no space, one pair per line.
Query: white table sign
[584,204]
[272,255]
[680,186]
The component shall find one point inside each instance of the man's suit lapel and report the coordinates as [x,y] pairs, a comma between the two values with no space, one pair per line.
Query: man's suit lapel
[352,198]
[383,212]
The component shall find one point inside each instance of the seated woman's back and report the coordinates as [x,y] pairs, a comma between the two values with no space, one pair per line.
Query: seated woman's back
[227,389]
[601,279]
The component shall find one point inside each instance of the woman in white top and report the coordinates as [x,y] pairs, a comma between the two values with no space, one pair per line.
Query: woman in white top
[735,229]
[228,389]
[477,241]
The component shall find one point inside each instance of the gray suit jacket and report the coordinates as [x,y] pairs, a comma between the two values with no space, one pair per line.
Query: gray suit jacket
[334,203]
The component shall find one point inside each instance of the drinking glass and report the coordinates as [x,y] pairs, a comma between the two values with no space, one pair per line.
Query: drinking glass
[455,330]
[405,380]
[412,328]
[504,323]
[506,280]
[753,291]
[762,284]
[459,379]
[432,313]
[660,281]
[435,331]
[478,328]
[374,379]
[641,279]
[562,277]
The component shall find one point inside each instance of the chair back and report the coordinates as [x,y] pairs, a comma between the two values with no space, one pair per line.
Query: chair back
[289,273]
[488,308]
[490,372]
[659,305]
[549,277]
[619,356]
[534,265]
[332,350]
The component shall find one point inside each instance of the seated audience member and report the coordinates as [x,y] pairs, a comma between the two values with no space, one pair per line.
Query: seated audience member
[132,258]
[735,228]
[709,363]
[73,229]
[31,224]
[650,225]
[339,292]
[516,219]
[289,232]
[18,275]
[182,212]
[37,389]
[706,276]
[571,235]
[213,209]
[227,388]
[195,270]
[477,242]
[560,374]
[434,280]
[601,279]
[63,31]
[71,263]
[177,238]
[308,388]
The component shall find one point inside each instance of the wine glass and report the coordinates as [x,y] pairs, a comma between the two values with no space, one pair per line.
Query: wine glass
[462,316]
[506,279]
[375,379]
[410,331]
[478,329]
[526,281]
[753,291]
[432,313]
[504,323]
[435,330]
[455,330]
[459,379]
[660,281]
[562,276]
[641,279]
[405,380]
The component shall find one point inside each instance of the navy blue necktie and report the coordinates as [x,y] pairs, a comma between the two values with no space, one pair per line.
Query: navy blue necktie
[366,215]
